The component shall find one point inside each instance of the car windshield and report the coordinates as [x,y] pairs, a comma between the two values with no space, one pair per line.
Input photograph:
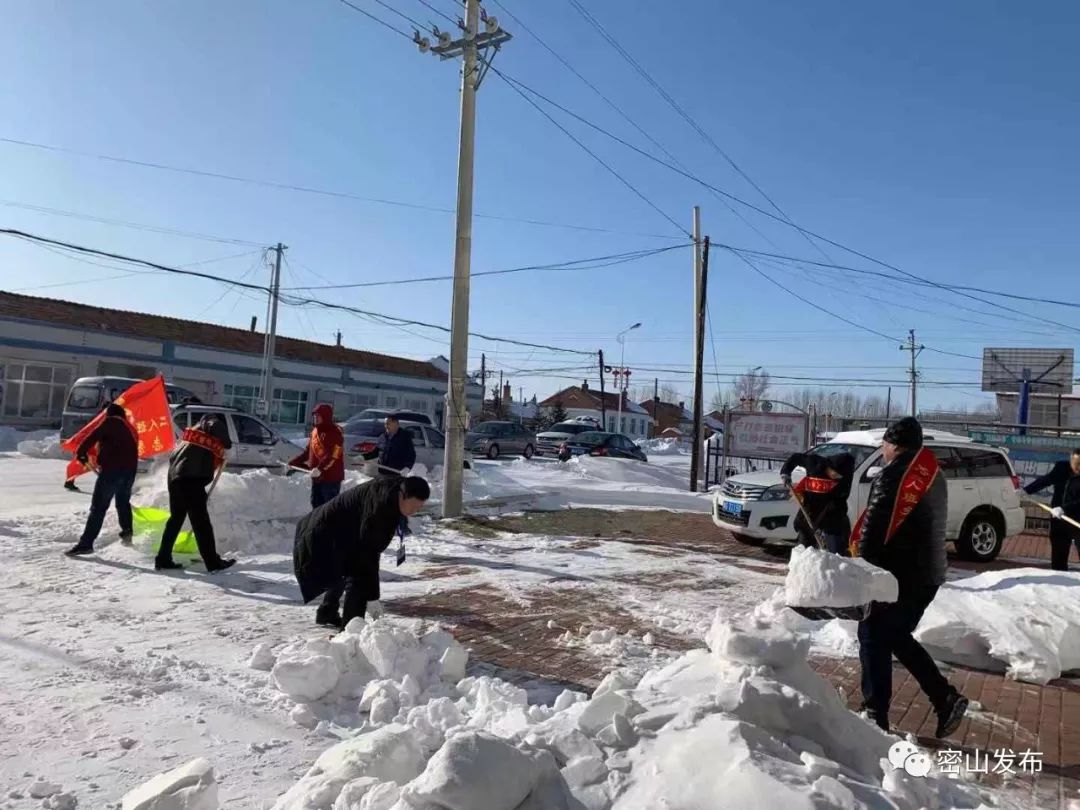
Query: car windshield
[488,429]
[364,427]
[572,428]
[859,452]
[591,437]
[84,398]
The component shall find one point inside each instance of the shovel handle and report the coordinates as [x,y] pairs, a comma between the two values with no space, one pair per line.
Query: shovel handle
[1046,508]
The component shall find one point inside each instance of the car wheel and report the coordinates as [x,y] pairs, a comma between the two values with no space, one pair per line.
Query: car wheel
[982,537]
[528,452]
[747,540]
[493,452]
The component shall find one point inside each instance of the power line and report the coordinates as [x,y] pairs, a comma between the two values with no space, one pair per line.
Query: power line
[592,154]
[441,13]
[379,20]
[403,15]
[320,191]
[574,265]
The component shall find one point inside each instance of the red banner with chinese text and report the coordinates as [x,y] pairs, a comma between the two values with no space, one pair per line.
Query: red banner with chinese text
[916,482]
[148,417]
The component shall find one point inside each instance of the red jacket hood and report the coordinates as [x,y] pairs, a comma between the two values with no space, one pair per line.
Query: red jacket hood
[326,412]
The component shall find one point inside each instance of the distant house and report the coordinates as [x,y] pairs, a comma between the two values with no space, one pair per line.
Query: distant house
[581,400]
[669,416]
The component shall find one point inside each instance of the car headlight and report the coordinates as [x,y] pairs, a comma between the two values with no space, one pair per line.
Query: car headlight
[776,493]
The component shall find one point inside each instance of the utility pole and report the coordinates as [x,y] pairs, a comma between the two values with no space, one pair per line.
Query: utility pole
[501,411]
[914,373]
[888,405]
[338,336]
[603,400]
[266,383]
[468,47]
[483,381]
[656,404]
[701,253]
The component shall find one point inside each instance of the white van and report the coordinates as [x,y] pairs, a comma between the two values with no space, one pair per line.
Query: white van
[984,500]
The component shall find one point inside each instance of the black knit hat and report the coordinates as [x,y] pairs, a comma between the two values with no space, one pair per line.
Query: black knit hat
[906,433]
[116,410]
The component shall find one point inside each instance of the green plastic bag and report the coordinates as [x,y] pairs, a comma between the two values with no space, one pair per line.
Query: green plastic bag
[148,520]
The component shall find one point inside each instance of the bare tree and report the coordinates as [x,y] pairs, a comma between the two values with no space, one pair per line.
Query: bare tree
[752,386]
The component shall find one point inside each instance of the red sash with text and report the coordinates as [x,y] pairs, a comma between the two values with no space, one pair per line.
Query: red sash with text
[914,485]
[206,442]
[819,486]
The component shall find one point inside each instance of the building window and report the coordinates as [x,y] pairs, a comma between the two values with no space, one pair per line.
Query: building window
[418,405]
[34,390]
[611,424]
[361,402]
[622,424]
[289,406]
[244,397]
[390,402]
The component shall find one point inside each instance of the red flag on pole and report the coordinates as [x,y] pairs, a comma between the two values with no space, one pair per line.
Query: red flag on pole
[148,417]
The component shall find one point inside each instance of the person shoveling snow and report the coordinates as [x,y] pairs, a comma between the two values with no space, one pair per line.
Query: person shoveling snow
[902,531]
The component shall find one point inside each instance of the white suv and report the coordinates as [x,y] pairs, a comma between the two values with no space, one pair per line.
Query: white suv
[984,501]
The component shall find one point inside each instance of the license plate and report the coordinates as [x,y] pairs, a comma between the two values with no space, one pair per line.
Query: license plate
[733,507]
[577,451]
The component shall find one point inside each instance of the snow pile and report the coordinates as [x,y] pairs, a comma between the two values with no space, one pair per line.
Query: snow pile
[48,446]
[608,644]
[747,720]
[624,471]
[189,787]
[835,637]
[11,438]
[1027,620]
[664,447]
[819,578]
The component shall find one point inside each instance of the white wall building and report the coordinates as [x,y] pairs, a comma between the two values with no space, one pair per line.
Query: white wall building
[584,401]
[45,345]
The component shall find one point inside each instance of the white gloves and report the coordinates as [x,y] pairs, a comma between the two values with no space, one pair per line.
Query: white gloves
[405,472]
[1057,512]
[374,609]
[315,473]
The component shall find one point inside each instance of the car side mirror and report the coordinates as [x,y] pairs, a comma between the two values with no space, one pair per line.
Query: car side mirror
[873,473]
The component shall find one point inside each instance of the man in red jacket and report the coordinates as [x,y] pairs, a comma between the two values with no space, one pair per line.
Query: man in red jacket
[324,456]
[117,461]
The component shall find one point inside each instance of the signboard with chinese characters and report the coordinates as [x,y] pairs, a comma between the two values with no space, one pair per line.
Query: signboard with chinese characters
[1031,456]
[766,435]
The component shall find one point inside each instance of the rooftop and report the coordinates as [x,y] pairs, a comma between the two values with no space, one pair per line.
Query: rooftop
[193,333]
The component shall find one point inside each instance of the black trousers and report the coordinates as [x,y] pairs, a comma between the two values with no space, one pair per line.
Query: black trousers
[886,632]
[1062,538]
[321,493]
[110,485]
[187,499]
[355,605]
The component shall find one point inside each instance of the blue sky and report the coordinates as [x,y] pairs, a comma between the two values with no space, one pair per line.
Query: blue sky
[940,138]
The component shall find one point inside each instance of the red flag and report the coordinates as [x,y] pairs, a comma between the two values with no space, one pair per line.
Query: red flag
[148,417]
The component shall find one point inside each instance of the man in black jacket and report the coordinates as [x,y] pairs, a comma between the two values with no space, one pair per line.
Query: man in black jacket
[824,493]
[338,545]
[903,531]
[397,452]
[117,459]
[192,466]
[1065,479]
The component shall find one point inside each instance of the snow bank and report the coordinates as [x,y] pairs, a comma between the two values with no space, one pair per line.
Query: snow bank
[747,720]
[189,787]
[11,438]
[1026,620]
[818,578]
[664,447]
[46,446]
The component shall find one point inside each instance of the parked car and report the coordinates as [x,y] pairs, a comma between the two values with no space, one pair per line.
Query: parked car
[550,440]
[254,443]
[494,439]
[403,416]
[363,440]
[89,395]
[984,501]
[599,443]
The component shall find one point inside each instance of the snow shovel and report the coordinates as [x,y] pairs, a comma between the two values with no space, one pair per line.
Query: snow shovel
[148,520]
[821,614]
[1046,508]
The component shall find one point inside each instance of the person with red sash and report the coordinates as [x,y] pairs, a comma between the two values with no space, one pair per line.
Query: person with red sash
[192,467]
[324,456]
[823,493]
[903,531]
[117,460]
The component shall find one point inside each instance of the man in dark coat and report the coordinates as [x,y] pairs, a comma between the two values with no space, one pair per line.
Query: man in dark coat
[192,466]
[903,531]
[117,459]
[324,456]
[397,451]
[824,493]
[338,545]
[1065,479]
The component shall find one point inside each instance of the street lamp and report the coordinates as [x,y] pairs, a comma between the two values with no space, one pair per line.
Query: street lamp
[621,338]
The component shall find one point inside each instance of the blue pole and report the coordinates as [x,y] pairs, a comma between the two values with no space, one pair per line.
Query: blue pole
[1025,405]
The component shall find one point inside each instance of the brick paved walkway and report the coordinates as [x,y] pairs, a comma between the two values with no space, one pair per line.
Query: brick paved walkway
[515,636]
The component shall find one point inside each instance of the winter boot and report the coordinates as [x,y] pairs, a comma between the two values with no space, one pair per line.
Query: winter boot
[166,565]
[80,550]
[220,565]
[328,618]
[951,714]
[125,539]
